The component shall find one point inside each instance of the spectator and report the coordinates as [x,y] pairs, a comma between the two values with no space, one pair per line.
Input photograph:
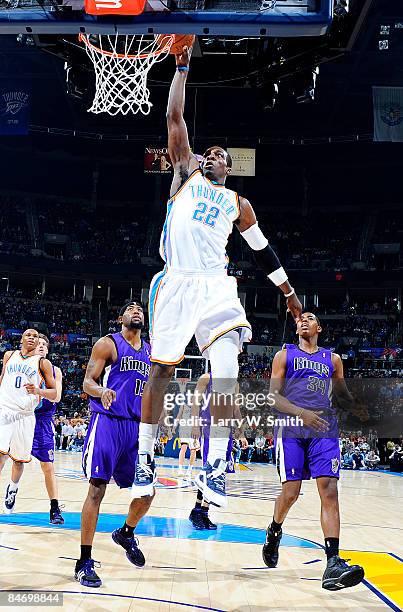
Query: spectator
[77,442]
[67,433]
[372,460]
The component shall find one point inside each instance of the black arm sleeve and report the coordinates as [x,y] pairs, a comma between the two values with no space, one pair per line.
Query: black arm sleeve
[267,260]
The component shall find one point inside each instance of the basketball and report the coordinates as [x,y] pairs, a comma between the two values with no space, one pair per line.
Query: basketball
[181,40]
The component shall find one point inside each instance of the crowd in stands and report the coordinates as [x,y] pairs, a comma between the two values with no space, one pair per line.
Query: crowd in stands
[322,251]
[116,234]
[18,311]
[14,235]
[105,235]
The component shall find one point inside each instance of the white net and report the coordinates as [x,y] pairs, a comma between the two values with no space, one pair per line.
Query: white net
[121,64]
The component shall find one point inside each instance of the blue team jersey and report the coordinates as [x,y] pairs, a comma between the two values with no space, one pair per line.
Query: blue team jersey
[308,376]
[127,377]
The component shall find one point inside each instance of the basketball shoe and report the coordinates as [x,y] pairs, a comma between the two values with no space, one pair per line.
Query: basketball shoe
[196,518]
[9,500]
[207,523]
[211,482]
[85,573]
[144,477]
[56,517]
[338,575]
[131,546]
[270,547]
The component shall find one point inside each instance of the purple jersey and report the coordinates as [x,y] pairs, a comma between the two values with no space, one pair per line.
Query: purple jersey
[308,378]
[127,377]
[46,409]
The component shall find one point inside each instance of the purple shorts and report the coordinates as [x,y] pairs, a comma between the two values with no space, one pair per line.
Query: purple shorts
[205,448]
[305,458]
[110,449]
[43,445]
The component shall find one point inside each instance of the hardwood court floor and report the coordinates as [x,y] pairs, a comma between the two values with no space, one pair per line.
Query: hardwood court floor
[193,570]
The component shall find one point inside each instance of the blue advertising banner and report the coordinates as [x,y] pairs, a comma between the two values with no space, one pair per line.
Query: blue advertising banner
[15,103]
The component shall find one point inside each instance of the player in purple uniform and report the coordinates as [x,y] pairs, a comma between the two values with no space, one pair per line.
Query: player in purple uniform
[43,445]
[304,378]
[201,408]
[115,377]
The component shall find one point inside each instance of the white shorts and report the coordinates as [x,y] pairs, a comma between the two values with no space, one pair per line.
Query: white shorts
[183,305]
[17,435]
[191,442]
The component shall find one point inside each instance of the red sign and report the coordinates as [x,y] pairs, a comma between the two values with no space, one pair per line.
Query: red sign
[157,161]
[114,7]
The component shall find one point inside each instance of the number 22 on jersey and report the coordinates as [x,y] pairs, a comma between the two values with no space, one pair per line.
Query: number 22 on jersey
[206,215]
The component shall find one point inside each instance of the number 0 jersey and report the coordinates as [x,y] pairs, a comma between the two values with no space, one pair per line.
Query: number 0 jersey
[19,371]
[308,381]
[199,220]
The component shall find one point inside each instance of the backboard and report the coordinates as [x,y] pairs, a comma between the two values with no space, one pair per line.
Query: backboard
[271,18]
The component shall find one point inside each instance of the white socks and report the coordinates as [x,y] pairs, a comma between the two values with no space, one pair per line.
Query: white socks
[146,439]
[12,486]
[218,444]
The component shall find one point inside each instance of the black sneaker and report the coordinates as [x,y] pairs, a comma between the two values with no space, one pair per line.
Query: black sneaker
[338,575]
[85,573]
[270,548]
[207,523]
[56,517]
[196,518]
[131,546]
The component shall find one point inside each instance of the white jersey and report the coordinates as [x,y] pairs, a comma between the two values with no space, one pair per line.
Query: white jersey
[18,372]
[199,220]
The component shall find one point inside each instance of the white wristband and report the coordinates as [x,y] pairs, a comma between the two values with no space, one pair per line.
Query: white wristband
[287,295]
[278,277]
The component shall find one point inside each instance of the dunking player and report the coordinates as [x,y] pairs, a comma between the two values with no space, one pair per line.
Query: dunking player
[116,374]
[44,438]
[25,380]
[195,290]
[304,378]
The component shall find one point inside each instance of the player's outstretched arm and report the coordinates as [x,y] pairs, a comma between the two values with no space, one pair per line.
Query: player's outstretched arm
[265,257]
[103,353]
[50,391]
[183,161]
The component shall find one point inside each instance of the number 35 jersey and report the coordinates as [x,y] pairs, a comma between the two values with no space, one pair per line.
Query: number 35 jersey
[127,377]
[199,220]
[308,381]
[19,371]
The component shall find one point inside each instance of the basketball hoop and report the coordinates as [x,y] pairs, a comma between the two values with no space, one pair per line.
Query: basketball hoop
[122,64]
[182,382]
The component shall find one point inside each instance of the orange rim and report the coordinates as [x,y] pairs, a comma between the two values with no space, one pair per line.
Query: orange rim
[166,48]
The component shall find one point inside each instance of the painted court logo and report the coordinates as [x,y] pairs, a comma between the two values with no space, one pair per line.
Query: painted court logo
[335,465]
[12,102]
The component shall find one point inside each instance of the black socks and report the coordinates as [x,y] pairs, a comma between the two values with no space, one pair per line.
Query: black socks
[275,527]
[127,531]
[85,552]
[331,547]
